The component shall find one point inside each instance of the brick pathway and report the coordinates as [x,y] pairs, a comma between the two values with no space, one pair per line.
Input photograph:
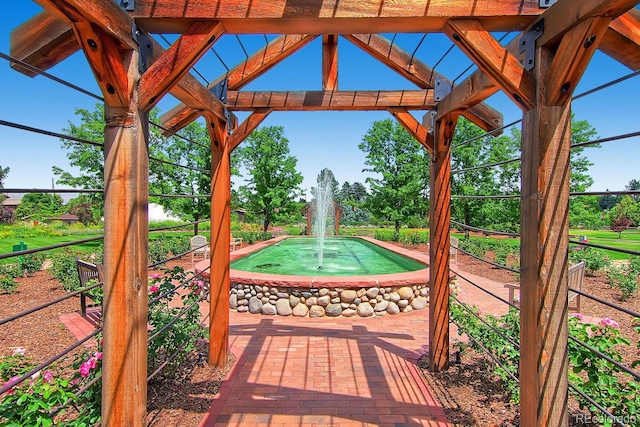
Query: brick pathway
[324,372]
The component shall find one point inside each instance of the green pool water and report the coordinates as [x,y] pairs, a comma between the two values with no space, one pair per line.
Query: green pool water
[342,257]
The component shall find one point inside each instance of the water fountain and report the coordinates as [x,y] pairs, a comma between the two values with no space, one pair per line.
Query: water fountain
[323,209]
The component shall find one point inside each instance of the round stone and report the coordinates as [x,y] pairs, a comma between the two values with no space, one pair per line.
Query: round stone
[335,300]
[324,291]
[260,295]
[243,309]
[380,298]
[324,300]
[300,310]
[394,296]
[348,295]
[419,303]
[407,309]
[372,293]
[424,292]
[357,301]
[405,292]
[312,301]
[381,306]
[333,310]
[393,308]
[361,292]
[274,290]
[244,302]
[255,306]
[403,303]
[264,300]
[233,301]
[365,310]
[269,309]
[387,297]
[381,313]
[240,293]
[293,301]
[316,311]
[282,295]
[283,308]
[349,312]
[334,294]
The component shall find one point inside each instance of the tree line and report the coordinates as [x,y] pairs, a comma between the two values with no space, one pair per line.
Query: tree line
[396,194]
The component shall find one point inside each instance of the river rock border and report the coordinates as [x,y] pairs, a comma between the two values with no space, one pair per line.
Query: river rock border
[330,302]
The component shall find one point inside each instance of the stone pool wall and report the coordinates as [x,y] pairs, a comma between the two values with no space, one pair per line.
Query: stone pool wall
[331,302]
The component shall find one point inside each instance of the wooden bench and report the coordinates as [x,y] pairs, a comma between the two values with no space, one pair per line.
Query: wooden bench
[86,273]
[576,277]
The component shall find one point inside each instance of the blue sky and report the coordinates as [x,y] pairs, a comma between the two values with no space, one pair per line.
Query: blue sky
[317,139]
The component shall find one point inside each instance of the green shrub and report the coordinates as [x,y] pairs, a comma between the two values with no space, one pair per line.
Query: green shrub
[624,279]
[178,244]
[63,268]
[158,251]
[31,263]
[595,260]
[12,270]
[253,236]
[8,284]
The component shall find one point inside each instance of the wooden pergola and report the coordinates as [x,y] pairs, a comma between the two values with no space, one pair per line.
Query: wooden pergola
[538,70]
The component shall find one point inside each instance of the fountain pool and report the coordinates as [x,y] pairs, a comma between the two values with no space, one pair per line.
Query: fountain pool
[367,293]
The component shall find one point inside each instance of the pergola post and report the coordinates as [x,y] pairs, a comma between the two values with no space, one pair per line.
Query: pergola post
[439,218]
[546,139]
[126,197]
[220,239]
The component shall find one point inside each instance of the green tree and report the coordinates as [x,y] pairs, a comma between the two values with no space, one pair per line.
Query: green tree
[3,175]
[627,208]
[634,185]
[402,165]
[327,174]
[88,158]
[39,206]
[607,201]
[273,185]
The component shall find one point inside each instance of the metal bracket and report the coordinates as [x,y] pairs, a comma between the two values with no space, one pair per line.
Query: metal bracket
[546,3]
[145,47]
[129,5]
[528,44]
[432,118]
[441,88]
[219,90]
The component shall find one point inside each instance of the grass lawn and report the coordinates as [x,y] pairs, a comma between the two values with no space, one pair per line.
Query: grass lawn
[629,240]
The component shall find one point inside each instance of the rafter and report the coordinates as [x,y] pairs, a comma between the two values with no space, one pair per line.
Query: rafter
[331,100]
[622,39]
[419,73]
[412,126]
[174,63]
[115,22]
[241,75]
[503,68]
[46,41]
[557,21]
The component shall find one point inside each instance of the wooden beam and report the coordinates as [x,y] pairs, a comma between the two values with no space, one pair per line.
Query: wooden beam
[43,43]
[330,100]
[248,126]
[219,274]
[503,68]
[419,132]
[105,59]
[114,21]
[419,73]
[557,20]
[544,242]
[572,57]
[396,58]
[330,62]
[331,17]
[622,39]
[175,62]
[242,74]
[439,241]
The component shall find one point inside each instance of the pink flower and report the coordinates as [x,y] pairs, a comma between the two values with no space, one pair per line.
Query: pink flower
[12,382]
[85,369]
[47,377]
[97,355]
[578,316]
[93,362]
[156,275]
[154,288]
[19,351]
[609,322]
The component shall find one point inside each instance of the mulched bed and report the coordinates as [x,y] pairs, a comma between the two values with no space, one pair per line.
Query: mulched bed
[469,392]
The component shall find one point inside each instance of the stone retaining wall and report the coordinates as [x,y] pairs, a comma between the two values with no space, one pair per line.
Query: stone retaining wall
[331,302]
